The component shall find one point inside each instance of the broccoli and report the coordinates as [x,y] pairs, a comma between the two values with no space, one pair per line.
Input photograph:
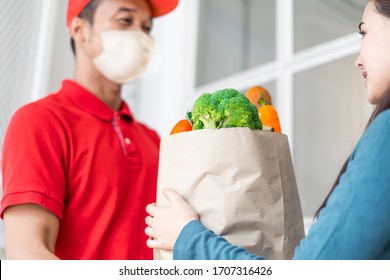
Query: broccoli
[224,94]
[206,113]
[223,109]
[256,118]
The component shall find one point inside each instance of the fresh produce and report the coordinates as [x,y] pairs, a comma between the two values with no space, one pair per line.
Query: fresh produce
[258,96]
[182,126]
[224,109]
[268,115]
[230,108]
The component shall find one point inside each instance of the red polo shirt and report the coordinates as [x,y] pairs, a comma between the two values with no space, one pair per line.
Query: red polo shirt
[95,169]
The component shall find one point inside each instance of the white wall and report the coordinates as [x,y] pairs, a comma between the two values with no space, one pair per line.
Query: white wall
[168,86]
[19,39]
[62,59]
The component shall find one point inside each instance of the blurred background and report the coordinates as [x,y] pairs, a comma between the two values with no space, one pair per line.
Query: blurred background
[302,51]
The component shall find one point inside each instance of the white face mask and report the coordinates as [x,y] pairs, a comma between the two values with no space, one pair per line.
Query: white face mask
[125,55]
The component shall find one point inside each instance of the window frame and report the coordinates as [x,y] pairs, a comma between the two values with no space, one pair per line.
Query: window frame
[287,63]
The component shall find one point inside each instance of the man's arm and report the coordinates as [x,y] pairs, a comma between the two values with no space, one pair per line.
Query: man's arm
[30,232]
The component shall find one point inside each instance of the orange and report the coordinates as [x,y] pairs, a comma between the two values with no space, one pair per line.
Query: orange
[269,117]
[182,126]
[258,96]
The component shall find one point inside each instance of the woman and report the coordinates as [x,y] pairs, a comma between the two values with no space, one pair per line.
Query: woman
[354,220]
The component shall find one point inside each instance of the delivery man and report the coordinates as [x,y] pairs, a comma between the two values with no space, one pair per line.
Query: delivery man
[78,169]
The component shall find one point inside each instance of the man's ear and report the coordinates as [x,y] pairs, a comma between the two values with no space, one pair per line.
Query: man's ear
[79,30]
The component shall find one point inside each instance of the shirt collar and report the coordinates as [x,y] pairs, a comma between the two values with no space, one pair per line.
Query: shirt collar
[91,104]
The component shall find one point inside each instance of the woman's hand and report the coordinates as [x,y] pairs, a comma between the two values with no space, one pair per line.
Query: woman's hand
[166,223]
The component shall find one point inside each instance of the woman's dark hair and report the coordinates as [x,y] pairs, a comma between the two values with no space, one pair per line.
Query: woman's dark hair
[88,14]
[383,7]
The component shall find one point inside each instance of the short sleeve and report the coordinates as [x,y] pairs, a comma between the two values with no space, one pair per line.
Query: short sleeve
[34,161]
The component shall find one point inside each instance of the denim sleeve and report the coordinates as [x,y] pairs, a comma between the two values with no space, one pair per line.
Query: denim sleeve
[355,223]
[196,242]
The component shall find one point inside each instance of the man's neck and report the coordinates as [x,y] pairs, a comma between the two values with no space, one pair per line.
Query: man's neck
[104,89]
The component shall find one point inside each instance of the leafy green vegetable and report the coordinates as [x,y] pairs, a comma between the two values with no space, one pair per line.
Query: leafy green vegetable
[223,109]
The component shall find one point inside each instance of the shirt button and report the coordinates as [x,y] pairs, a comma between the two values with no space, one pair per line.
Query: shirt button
[127,141]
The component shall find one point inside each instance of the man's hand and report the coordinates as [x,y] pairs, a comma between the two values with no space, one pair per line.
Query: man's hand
[165,224]
[30,232]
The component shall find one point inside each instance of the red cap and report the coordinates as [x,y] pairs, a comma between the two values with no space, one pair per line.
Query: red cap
[159,8]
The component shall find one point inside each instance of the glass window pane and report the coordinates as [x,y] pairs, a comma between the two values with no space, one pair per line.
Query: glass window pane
[318,21]
[330,112]
[234,35]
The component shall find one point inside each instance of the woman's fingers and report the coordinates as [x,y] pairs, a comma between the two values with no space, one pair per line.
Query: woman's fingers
[153,243]
[172,196]
[180,205]
[164,224]
[151,209]
[149,221]
[157,244]
[149,232]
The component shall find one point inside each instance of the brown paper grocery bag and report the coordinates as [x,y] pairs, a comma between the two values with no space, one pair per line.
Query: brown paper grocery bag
[240,182]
